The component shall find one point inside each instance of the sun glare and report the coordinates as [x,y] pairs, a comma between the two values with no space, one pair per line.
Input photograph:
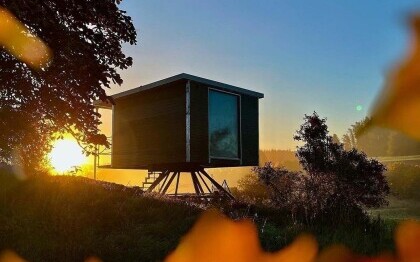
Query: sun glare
[65,155]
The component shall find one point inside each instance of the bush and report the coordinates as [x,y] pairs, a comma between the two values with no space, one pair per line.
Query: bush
[334,179]
[358,180]
[251,190]
[305,196]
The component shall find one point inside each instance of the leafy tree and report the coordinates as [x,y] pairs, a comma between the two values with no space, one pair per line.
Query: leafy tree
[251,190]
[335,139]
[347,142]
[333,178]
[402,145]
[373,142]
[85,38]
[303,195]
[358,180]
[380,141]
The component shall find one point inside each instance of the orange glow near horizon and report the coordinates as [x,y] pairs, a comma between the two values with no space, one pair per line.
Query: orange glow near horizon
[65,155]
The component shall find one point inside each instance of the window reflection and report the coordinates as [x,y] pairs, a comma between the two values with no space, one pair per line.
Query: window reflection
[223,125]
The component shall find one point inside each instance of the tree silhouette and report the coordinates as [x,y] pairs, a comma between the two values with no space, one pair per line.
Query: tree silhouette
[347,142]
[380,141]
[335,139]
[334,182]
[358,180]
[85,38]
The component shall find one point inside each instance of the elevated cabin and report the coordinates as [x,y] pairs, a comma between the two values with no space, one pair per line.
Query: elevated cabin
[184,119]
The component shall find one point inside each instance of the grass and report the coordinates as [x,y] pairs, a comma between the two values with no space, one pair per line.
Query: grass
[58,218]
[368,238]
[398,209]
[71,218]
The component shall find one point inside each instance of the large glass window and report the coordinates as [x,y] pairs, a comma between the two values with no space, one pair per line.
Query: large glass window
[223,124]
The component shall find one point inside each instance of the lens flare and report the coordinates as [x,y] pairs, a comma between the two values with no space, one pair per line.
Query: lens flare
[21,43]
[65,155]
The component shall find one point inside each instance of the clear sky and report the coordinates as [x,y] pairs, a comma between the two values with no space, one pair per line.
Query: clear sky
[305,56]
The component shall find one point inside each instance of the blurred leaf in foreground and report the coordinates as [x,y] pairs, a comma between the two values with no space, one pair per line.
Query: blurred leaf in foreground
[10,256]
[19,41]
[398,107]
[407,240]
[216,238]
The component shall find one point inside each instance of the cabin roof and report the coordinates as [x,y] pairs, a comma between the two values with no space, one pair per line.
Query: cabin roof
[174,78]
[192,78]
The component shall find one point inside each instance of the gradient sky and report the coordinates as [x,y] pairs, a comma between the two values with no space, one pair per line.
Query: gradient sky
[305,56]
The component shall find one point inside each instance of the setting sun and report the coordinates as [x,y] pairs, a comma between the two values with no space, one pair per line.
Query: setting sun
[65,155]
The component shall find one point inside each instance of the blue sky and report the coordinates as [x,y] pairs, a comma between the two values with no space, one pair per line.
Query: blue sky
[305,56]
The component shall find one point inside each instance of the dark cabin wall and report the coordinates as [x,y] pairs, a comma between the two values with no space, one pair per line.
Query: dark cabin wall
[199,123]
[250,130]
[149,127]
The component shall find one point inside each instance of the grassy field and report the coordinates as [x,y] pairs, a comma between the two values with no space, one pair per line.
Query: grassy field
[59,218]
[71,218]
[398,209]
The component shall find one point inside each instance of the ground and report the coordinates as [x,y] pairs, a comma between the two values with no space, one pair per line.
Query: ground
[63,218]
[398,209]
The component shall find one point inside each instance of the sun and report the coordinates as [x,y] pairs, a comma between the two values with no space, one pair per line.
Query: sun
[65,155]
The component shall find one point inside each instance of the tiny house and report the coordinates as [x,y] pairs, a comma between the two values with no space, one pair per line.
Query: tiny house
[184,119]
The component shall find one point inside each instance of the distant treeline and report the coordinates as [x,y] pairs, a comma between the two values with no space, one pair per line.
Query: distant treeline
[379,141]
[375,142]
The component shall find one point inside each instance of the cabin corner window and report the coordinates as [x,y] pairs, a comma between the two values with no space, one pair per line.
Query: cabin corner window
[223,125]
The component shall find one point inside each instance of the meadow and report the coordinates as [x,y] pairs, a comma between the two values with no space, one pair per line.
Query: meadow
[69,218]
[404,200]
[64,218]
[398,209]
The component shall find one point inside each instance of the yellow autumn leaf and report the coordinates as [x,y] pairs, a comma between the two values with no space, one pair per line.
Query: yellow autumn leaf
[217,238]
[21,43]
[10,256]
[407,240]
[398,107]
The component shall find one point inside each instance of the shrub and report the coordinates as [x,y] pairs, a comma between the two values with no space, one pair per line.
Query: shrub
[251,190]
[358,180]
[334,180]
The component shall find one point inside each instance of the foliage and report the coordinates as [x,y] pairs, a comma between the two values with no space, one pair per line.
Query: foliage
[283,185]
[335,139]
[357,180]
[373,143]
[307,198]
[85,38]
[398,106]
[251,190]
[65,218]
[220,236]
[335,182]
[216,230]
[379,141]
